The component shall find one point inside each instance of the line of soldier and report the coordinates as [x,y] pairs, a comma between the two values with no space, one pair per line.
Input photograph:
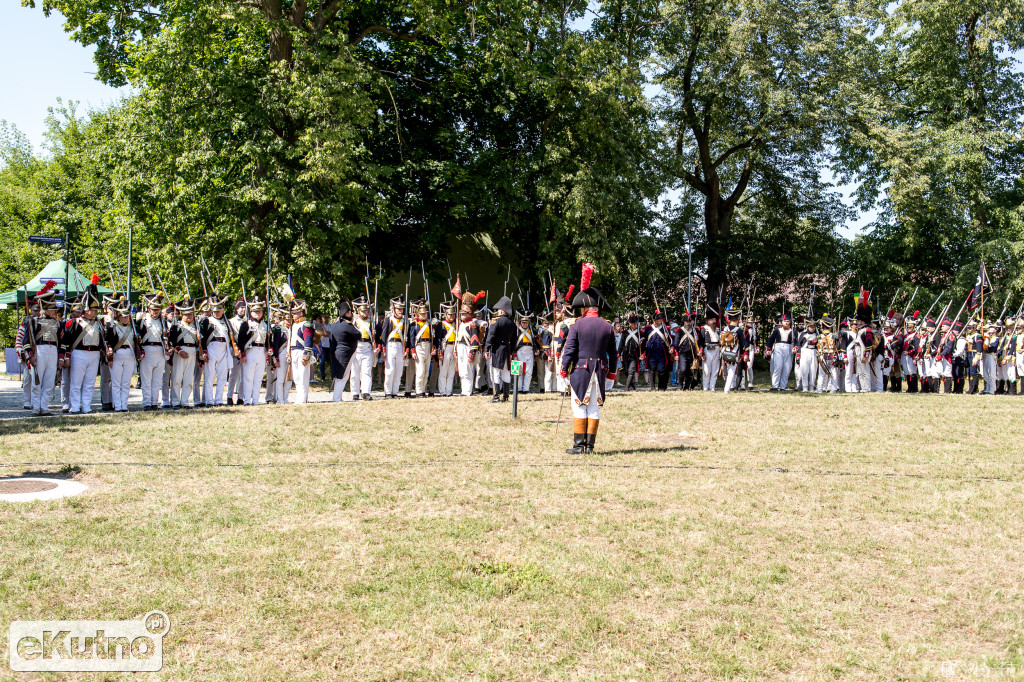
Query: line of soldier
[859,355]
[187,357]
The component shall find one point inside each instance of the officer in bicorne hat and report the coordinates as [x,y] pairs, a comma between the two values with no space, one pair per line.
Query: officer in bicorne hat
[498,345]
[589,358]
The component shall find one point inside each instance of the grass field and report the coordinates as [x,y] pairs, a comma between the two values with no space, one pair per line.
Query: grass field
[870,536]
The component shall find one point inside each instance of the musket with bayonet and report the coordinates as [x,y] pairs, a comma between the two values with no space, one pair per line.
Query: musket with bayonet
[910,302]
[188,292]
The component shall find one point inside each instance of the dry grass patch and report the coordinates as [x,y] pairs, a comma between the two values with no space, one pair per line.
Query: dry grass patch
[801,536]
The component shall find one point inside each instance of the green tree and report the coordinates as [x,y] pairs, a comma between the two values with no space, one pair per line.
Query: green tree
[747,109]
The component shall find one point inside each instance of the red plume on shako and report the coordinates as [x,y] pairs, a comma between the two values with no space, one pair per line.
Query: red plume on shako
[588,297]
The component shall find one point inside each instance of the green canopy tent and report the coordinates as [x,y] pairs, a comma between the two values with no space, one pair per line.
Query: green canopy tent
[55,270]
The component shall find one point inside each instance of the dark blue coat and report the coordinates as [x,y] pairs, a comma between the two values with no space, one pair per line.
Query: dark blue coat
[657,346]
[589,349]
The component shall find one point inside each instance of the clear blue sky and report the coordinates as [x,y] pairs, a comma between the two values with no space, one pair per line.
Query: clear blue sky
[41,63]
[47,64]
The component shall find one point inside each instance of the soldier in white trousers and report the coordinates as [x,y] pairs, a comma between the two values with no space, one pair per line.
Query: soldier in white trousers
[152,339]
[120,343]
[235,371]
[392,338]
[710,344]
[45,331]
[989,366]
[421,351]
[217,353]
[807,343]
[170,317]
[467,344]
[527,348]
[731,352]
[780,345]
[83,341]
[254,341]
[183,341]
[364,358]
[447,333]
[300,345]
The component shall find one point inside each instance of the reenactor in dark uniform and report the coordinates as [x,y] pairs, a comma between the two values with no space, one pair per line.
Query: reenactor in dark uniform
[501,336]
[589,359]
[658,349]
[688,351]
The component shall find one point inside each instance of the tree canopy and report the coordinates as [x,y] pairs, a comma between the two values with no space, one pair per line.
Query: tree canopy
[319,135]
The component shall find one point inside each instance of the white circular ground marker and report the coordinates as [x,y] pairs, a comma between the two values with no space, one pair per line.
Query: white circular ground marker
[30,489]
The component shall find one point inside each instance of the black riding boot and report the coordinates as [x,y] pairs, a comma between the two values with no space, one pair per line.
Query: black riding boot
[947,384]
[504,391]
[958,386]
[497,394]
[1000,388]
[973,390]
[912,383]
[579,437]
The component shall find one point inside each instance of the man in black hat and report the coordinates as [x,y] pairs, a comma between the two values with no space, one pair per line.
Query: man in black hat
[630,350]
[780,345]
[659,351]
[83,343]
[589,358]
[501,337]
[688,352]
[345,338]
[527,347]
[235,373]
[254,344]
[710,341]
[183,340]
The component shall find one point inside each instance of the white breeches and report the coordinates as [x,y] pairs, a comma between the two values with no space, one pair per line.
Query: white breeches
[183,377]
[121,371]
[151,374]
[781,364]
[46,370]
[712,361]
[84,364]
[525,355]
[218,365]
[254,364]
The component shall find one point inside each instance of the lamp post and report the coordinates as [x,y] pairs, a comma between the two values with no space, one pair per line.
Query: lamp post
[689,264]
